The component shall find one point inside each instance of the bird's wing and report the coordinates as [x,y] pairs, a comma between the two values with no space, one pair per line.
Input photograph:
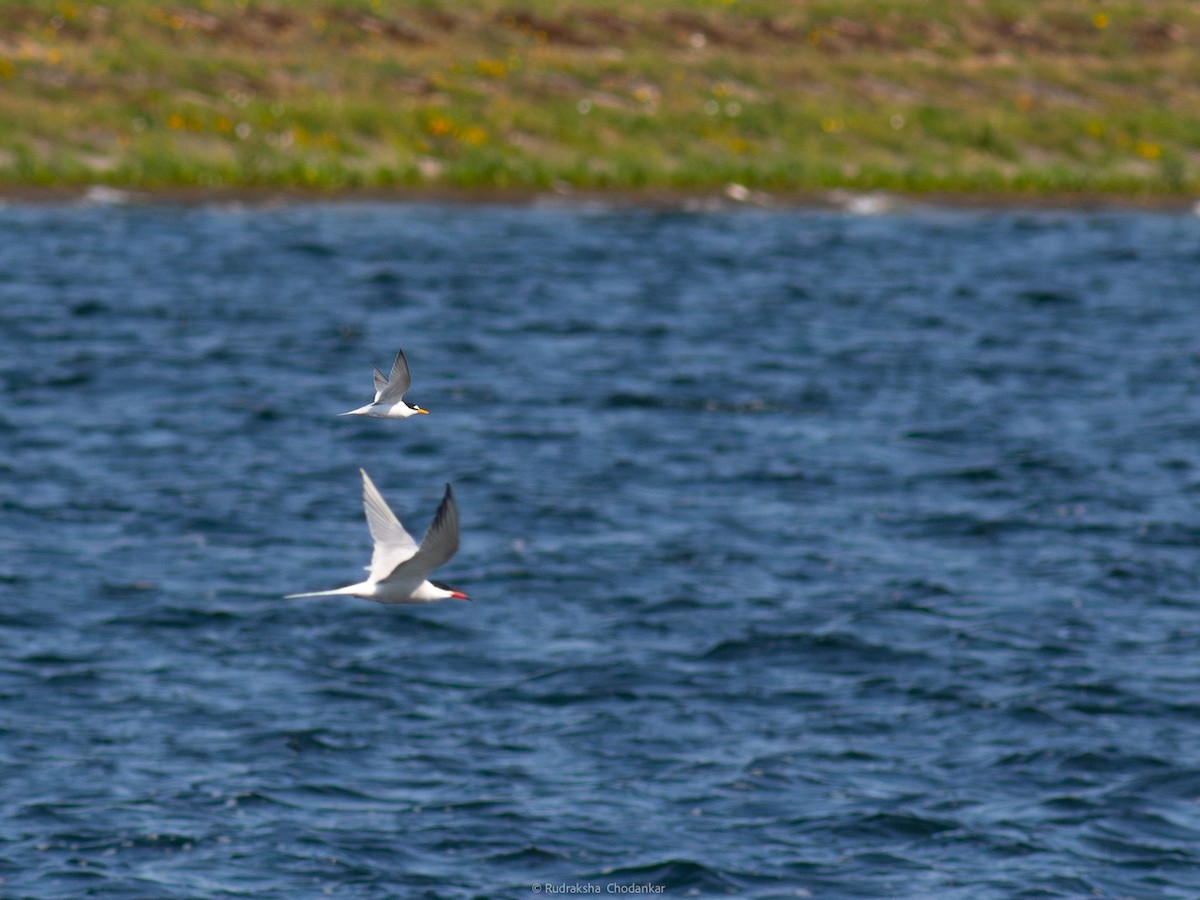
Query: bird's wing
[398,382]
[381,383]
[439,544]
[393,545]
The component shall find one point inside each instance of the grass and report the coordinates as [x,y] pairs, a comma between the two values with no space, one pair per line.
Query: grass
[924,95]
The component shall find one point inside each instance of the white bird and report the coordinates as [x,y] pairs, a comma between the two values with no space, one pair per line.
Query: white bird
[400,569]
[389,402]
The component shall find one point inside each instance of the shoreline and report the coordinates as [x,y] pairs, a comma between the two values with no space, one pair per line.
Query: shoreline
[653,103]
[730,197]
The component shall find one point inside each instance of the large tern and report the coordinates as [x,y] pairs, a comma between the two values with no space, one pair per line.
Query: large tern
[389,402]
[400,568]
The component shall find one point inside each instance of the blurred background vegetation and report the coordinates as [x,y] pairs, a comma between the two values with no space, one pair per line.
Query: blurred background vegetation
[955,95]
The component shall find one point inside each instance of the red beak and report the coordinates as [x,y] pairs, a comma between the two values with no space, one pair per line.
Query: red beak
[459,595]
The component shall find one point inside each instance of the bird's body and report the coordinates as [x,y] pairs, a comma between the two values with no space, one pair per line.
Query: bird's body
[389,402]
[400,568]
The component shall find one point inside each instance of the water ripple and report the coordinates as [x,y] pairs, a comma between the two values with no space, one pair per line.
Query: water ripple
[812,554]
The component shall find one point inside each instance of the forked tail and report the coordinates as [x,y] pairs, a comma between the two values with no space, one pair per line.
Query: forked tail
[334,593]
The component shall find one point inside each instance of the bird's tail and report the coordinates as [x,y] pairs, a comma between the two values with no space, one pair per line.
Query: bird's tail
[334,593]
[361,411]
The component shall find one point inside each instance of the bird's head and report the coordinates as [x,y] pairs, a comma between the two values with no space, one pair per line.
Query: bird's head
[417,409]
[450,592]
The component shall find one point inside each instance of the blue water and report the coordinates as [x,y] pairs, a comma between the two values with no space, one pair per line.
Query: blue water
[813,555]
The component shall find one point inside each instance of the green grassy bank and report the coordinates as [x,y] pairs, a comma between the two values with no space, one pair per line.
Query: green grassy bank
[923,95]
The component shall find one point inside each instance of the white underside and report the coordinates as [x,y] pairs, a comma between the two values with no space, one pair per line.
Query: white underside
[387,592]
[383,411]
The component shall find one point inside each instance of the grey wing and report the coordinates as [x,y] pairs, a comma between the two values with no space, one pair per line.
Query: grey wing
[393,545]
[381,383]
[437,546]
[398,382]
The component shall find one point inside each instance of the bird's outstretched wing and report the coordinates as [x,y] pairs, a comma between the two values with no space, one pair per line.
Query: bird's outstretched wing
[381,383]
[393,545]
[437,546]
[398,382]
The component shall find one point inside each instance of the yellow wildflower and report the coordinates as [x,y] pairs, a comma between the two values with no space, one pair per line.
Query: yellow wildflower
[475,136]
[1147,150]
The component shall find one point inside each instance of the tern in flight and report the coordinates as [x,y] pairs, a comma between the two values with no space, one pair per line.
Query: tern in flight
[389,402]
[400,568]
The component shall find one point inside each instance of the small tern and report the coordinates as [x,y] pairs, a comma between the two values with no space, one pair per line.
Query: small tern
[400,568]
[389,402]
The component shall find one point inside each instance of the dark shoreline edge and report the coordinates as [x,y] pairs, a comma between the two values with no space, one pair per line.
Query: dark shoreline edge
[730,197]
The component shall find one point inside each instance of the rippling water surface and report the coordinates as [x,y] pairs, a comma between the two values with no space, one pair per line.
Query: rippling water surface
[813,555]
